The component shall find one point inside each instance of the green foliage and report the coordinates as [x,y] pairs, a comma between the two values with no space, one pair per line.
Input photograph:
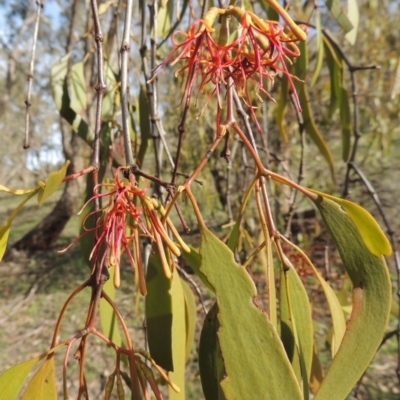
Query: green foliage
[371,300]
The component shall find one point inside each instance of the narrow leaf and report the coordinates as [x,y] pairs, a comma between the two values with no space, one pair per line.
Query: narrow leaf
[58,81]
[320,48]
[249,343]
[144,120]
[194,260]
[43,384]
[297,326]
[310,126]
[339,14]
[5,228]
[371,302]
[178,338]
[52,184]
[211,363]
[369,230]
[108,319]
[17,192]
[164,18]
[281,107]
[190,317]
[354,16]
[335,66]
[345,120]
[159,314]
[313,131]
[78,88]
[11,381]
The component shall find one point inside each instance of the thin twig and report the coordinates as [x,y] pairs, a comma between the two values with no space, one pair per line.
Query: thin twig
[125,49]
[28,103]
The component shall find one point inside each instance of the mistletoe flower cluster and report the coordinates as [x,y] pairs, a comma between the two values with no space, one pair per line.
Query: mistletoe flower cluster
[127,215]
[256,50]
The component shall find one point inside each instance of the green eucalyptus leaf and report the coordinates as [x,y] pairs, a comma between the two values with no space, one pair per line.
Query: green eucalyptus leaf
[43,384]
[11,381]
[310,126]
[320,49]
[190,317]
[371,300]
[145,128]
[5,228]
[369,230]
[159,314]
[211,363]
[53,182]
[335,66]
[194,260]
[78,88]
[339,14]
[345,119]
[249,343]
[62,99]
[108,318]
[354,16]
[297,330]
[281,107]
[179,338]
[313,131]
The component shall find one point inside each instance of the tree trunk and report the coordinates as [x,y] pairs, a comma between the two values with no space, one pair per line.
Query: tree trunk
[45,234]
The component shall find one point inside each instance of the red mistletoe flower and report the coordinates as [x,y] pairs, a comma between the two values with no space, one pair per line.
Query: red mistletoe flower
[257,50]
[128,215]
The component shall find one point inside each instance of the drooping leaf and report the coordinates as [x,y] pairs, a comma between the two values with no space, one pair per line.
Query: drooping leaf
[335,66]
[235,233]
[281,107]
[62,99]
[345,120]
[244,330]
[176,23]
[179,338]
[111,100]
[297,325]
[11,381]
[43,384]
[164,18]
[371,301]
[317,373]
[313,131]
[17,192]
[339,14]
[108,319]
[5,228]
[320,48]
[354,15]
[369,230]
[211,363]
[310,126]
[194,260]
[78,88]
[144,119]
[159,314]
[53,182]
[190,317]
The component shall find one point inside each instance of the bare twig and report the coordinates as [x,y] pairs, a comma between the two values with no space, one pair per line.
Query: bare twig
[125,49]
[28,103]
